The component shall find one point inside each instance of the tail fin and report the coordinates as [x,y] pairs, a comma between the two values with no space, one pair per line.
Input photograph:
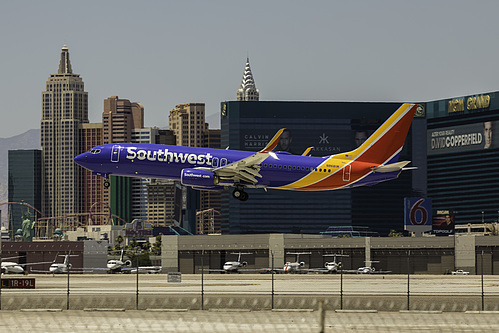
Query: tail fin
[385,144]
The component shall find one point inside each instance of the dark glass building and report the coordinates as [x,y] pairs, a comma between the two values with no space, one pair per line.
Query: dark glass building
[463,157]
[330,127]
[25,184]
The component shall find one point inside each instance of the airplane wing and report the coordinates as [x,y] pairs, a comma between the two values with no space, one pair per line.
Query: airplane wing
[35,263]
[247,169]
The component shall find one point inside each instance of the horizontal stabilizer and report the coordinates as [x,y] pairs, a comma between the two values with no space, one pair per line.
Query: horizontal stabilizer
[391,167]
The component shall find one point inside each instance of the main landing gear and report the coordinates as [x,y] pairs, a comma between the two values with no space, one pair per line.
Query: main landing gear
[239,194]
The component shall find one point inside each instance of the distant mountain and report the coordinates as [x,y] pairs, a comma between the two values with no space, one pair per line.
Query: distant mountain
[27,140]
[213,120]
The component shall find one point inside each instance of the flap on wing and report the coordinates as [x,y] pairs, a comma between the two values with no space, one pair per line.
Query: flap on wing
[248,169]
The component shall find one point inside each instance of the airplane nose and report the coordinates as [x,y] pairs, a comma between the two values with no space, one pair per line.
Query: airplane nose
[82,160]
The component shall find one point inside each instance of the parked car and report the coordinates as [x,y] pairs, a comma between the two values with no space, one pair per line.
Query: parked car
[460,272]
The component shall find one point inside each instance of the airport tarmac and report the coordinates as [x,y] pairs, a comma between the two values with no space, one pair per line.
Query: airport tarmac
[257,292]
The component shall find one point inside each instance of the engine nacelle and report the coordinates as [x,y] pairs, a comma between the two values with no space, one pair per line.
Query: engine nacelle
[128,263]
[198,178]
[302,264]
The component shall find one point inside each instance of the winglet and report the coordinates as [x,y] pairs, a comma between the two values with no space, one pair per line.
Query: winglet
[273,143]
[307,151]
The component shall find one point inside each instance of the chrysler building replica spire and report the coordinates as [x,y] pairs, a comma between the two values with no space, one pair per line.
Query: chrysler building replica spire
[247,91]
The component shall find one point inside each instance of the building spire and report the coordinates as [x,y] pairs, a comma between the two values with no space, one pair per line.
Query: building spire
[247,91]
[65,64]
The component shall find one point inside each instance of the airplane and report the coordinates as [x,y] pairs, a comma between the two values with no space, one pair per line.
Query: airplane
[295,267]
[59,268]
[333,266]
[125,266]
[369,269]
[147,269]
[233,266]
[376,160]
[118,265]
[9,267]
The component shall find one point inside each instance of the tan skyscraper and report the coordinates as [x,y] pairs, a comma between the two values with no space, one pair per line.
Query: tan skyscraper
[64,109]
[187,122]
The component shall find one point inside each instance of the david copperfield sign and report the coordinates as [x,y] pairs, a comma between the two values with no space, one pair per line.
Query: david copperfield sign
[461,138]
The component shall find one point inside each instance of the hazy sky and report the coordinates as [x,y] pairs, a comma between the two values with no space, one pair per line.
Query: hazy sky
[163,53]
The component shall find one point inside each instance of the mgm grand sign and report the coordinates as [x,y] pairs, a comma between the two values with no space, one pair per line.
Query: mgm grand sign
[471,103]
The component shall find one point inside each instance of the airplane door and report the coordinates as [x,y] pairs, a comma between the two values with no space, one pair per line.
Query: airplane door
[223,162]
[214,162]
[115,153]
[346,172]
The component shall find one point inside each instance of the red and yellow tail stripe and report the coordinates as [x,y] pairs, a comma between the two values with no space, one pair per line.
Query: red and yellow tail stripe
[347,168]
[273,142]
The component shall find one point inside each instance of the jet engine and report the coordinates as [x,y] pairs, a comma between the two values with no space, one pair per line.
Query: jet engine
[198,178]
[128,263]
[244,263]
[302,264]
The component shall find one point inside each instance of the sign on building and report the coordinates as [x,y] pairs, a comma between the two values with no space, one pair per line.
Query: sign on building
[418,215]
[138,230]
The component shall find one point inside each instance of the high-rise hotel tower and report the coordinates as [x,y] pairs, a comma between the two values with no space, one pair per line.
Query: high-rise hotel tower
[64,108]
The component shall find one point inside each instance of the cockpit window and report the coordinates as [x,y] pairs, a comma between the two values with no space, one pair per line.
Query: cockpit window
[94,151]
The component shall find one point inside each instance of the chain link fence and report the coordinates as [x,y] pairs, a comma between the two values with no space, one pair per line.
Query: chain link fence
[253,303]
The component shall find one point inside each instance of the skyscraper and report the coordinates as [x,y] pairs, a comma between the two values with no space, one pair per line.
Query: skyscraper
[247,91]
[119,119]
[25,180]
[91,186]
[187,122]
[64,109]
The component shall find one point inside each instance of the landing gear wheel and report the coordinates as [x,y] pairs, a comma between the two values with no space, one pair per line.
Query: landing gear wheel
[240,194]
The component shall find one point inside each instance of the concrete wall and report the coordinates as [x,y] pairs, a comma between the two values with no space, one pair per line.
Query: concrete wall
[417,255]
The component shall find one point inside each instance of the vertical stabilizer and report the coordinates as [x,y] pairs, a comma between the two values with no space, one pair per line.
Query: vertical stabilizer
[385,144]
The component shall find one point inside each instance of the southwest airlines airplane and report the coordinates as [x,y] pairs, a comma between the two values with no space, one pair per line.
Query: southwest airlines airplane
[376,160]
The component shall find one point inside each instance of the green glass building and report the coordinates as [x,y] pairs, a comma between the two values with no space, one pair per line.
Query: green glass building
[25,183]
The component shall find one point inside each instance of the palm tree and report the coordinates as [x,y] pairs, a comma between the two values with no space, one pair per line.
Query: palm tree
[119,239]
